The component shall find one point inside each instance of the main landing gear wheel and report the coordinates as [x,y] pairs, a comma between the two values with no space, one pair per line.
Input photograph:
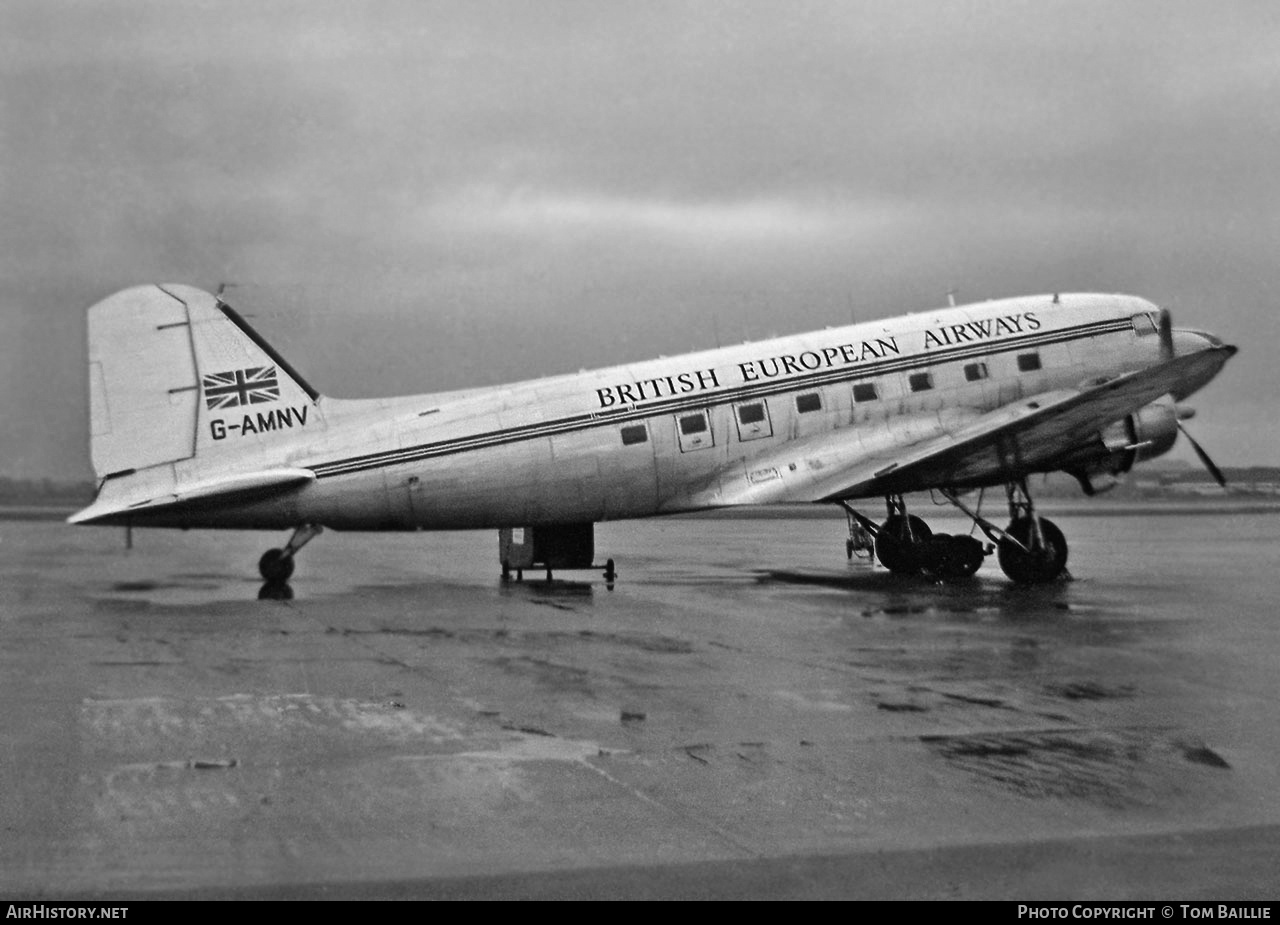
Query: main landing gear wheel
[275,565]
[900,543]
[1038,563]
[967,553]
[952,557]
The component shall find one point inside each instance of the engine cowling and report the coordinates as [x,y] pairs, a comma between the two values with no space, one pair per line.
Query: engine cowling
[1147,433]
[1151,431]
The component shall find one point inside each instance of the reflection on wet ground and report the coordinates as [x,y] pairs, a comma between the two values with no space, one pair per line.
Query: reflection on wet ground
[744,692]
[275,591]
[899,595]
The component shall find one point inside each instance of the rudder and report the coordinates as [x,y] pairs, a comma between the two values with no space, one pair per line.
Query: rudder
[174,373]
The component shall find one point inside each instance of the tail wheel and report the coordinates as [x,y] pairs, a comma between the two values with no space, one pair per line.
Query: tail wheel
[275,565]
[1034,565]
[900,543]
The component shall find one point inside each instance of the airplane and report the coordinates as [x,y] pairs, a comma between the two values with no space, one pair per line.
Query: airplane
[196,421]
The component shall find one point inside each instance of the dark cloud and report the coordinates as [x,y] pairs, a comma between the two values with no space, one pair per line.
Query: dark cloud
[418,196]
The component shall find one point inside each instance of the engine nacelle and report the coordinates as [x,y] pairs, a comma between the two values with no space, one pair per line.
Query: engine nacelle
[1147,433]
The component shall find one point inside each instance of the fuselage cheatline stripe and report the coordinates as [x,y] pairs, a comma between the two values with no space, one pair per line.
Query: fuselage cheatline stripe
[614,416]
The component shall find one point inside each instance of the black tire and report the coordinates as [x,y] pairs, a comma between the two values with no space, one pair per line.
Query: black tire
[275,591]
[934,555]
[965,557]
[951,558]
[1039,565]
[275,565]
[900,543]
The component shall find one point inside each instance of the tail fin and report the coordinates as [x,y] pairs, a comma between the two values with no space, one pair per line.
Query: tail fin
[174,374]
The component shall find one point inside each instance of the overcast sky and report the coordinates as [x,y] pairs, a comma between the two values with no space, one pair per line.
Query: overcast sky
[420,196]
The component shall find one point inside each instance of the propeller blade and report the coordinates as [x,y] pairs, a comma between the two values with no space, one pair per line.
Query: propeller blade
[1166,334]
[1204,458]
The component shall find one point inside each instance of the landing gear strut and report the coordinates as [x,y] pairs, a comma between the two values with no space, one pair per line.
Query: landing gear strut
[905,545]
[277,564]
[902,539]
[861,542]
[1033,549]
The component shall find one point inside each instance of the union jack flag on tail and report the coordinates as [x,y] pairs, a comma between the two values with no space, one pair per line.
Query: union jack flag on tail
[241,387]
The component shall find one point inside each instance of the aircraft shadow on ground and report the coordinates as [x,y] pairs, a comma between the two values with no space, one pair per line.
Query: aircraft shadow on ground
[904,594]
[554,589]
[540,591]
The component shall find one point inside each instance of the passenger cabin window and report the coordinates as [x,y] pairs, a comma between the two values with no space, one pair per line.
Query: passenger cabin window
[810,401]
[1028,362]
[693,424]
[865,391]
[920,382]
[694,431]
[1143,325]
[974,372]
[634,433]
[753,421]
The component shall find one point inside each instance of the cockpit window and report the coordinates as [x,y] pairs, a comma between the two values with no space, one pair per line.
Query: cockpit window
[1143,324]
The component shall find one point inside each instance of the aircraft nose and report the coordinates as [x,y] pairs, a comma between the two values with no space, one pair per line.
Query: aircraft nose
[1187,340]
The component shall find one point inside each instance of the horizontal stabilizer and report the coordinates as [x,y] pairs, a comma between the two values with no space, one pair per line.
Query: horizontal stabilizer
[126,495]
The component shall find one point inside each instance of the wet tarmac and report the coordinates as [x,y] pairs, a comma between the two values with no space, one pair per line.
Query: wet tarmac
[745,714]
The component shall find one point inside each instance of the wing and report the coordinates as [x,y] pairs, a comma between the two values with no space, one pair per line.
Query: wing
[947,449]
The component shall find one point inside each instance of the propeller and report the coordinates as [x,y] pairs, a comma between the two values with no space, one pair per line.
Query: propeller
[1204,457]
[1165,327]
[1166,335]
